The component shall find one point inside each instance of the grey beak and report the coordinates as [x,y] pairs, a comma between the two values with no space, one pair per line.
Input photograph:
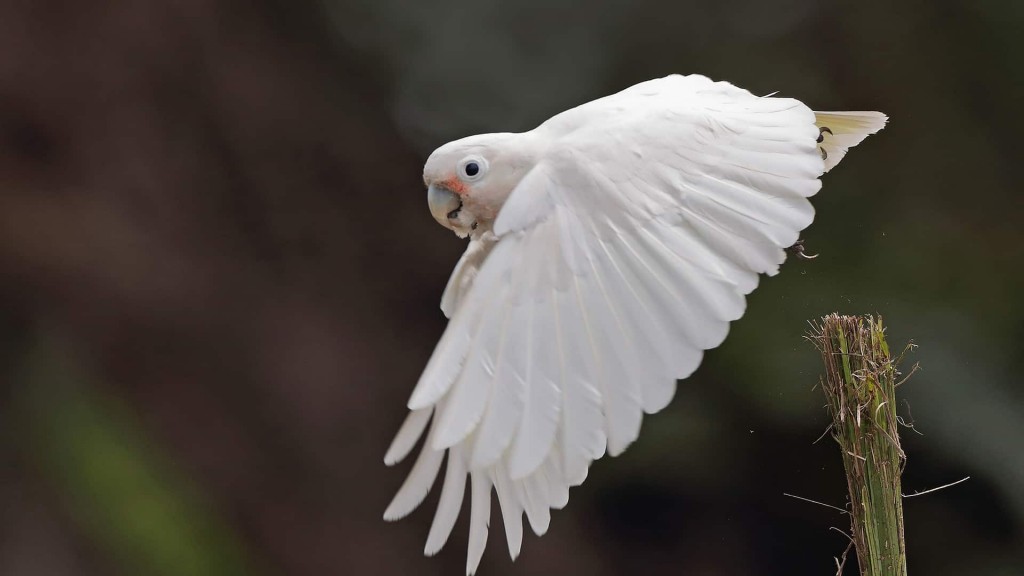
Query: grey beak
[443,203]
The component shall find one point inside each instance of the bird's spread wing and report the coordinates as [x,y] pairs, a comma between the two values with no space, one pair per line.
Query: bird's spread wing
[620,258]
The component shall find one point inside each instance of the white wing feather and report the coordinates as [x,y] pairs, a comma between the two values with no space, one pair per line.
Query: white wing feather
[618,260]
[465,272]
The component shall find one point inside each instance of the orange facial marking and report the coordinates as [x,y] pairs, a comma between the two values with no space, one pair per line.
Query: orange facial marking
[455,185]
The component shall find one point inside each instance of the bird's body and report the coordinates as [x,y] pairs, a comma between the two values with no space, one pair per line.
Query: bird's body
[609,247]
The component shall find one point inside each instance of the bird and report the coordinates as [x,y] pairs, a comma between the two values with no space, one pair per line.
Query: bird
[609,248]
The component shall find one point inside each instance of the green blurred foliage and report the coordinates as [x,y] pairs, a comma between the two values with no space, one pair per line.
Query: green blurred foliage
[115,484]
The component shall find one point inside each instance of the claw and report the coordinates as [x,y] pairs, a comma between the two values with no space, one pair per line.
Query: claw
[821,138]
[798,250]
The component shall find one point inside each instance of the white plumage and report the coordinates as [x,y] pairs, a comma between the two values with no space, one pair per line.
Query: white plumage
[610,247]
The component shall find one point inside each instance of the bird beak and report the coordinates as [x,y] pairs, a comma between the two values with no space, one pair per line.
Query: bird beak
[444,205]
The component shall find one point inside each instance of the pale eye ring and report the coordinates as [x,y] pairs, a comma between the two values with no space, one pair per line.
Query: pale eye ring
[472,168]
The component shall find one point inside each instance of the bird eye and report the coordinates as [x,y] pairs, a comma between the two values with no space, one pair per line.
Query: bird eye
[472,168]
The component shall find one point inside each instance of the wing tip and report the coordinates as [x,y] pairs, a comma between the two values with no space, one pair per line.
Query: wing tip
[391,515]
[431,549]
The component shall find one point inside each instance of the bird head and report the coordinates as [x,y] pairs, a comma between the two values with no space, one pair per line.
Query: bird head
[468,180]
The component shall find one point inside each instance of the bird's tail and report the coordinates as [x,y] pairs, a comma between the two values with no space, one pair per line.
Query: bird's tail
[841,131]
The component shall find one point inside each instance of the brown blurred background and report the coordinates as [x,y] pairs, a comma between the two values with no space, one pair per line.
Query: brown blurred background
[220,281]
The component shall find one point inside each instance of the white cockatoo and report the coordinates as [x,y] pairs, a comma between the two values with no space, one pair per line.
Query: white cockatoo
[609,248]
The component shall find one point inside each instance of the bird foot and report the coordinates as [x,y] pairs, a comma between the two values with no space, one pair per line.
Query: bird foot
[798,250]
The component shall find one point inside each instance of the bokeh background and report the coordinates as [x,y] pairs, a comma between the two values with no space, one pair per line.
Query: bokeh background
[219,281]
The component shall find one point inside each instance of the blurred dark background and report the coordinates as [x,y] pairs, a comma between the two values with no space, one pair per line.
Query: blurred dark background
[220,281]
